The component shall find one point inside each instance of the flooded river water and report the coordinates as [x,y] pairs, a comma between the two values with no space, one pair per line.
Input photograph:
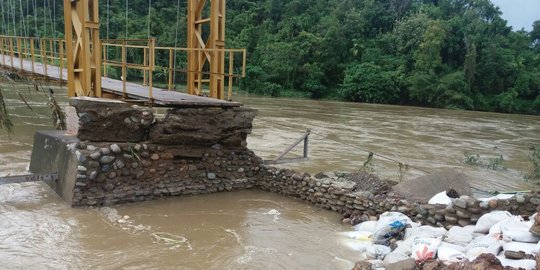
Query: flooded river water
[248,229]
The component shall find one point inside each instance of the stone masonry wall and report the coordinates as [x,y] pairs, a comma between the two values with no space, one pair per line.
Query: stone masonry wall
[360,205]
[203,150]
[120,172]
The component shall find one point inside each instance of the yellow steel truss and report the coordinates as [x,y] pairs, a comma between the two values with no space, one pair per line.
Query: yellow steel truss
[200,57]
[83,47]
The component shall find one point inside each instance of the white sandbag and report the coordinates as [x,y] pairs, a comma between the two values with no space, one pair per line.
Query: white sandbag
[460,235]
[355,245]
[377,252]
[367,226]
[426,231]
[486,221]
[425,248]
[394,257]
[453,246]
[483,244]
[496,229]
[518,230]
[440,198]
[498,197]
[520,264]
[404,246]
[448,254]
[358,235]
[528,248]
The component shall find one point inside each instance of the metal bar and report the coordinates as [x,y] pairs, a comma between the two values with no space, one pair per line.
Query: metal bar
[306,144]
[61,68]
[19,53]
[151,64]
[105,53]
[171,59]
[11,51]
[286,151]
[3,52]
[32,50]
[231,60]
[145,62]
[124,71]
[28,178]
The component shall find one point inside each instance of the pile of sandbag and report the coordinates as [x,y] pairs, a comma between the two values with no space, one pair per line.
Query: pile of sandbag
[395,239]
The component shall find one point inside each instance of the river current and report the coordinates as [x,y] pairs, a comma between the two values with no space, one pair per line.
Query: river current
[248,229]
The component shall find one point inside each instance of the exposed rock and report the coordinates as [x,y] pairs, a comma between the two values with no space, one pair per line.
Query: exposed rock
[362,266]
[103,120]
[535,228]
[204,126]
[425,187]
[485,261]
[106,159]
[116,148]
[514,255]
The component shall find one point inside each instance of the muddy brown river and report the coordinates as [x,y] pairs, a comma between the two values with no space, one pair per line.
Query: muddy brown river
[248,229]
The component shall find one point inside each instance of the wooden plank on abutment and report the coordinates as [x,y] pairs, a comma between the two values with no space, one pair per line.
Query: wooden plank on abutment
[161,97]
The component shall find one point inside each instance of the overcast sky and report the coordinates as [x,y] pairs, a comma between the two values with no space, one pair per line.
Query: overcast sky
[519,13]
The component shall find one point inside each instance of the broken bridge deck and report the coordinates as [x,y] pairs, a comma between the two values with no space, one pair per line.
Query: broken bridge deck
[134,91]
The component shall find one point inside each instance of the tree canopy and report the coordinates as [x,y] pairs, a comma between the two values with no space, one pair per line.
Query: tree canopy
[439,53]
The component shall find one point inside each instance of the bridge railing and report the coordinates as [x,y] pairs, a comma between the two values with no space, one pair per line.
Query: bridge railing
[47,51]
[139,55]
[167,62]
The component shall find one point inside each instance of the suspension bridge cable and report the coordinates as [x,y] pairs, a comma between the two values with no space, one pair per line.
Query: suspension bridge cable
[148,17]
[36,33]
[54,19]
[127,3]
[106,54]
[13,16]
[44,18]
[3,19]
[176,38]
[23,21]
[27,13]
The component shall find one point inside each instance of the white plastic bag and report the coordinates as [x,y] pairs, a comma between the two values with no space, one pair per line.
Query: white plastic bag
[440,198]
[394,257]
[518,230]
[377,252]
[483,244]
[448,254]
[426,231]
[486,221]
[460,235]
[367,226]
[425,248]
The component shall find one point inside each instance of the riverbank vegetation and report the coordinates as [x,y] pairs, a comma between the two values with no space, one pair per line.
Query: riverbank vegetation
[438,53]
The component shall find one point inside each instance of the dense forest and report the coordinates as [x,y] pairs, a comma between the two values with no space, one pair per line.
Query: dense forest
[439,53]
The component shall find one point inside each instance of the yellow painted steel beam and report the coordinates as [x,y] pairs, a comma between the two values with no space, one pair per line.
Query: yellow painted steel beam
[83,47]
[200,60]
